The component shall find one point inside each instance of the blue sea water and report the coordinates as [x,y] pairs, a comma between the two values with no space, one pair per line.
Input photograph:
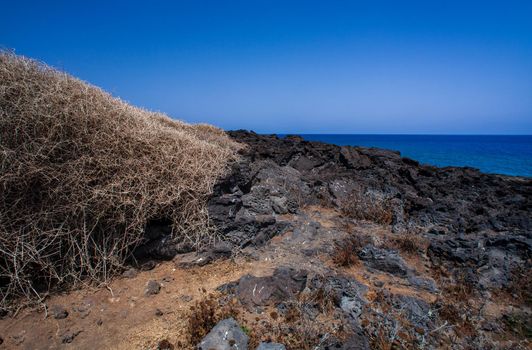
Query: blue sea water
[509,155]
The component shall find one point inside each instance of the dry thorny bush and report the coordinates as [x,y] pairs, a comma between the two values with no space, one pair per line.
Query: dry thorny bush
[82,173]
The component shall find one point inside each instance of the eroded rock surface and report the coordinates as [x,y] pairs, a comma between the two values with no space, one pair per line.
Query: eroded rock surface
[226,335]
[294,202]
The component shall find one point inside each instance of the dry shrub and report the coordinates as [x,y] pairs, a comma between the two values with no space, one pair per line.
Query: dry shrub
[206,313]
[459,315]
[519,323]
[368,206]
[408,242]
[521,284]
[462,288]
[82,173]
[346,251]
[300,330]
[389,327]
[450,312]
[324,299]
[305,322]
[202,319]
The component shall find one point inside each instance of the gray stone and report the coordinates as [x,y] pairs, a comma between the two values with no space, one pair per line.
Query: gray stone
[416,310]
[130,273]
[279,205]
[152,288]
[384,260]
[68,336]
[284,284]
[270,346]
[423,283]
[59,312]
[226,335]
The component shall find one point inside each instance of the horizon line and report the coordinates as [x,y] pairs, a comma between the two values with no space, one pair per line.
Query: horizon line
[381,134]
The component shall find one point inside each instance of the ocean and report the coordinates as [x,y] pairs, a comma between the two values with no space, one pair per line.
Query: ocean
[497,154]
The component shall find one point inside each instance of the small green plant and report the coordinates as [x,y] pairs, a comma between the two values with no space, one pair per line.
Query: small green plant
[246,330]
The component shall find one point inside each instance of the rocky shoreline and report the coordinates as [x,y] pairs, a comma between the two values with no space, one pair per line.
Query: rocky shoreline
[320,247]
[469,233]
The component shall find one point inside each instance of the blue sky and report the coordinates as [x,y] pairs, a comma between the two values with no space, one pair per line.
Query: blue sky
[444,67]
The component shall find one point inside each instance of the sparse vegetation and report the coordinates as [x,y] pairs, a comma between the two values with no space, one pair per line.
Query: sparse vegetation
[519,323]
[304,323]
[206,313]
[346,251]
[82,173]
[520,284]
[463,287]
[345,256]
[368,206]
[408,242]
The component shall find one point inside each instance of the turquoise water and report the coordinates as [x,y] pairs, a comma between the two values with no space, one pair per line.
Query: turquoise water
[510,155]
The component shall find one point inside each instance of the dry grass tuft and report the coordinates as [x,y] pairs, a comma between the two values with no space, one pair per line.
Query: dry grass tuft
[206,313]
[81,174]
[520,284]
[346,251]
[368,206]
[408,242]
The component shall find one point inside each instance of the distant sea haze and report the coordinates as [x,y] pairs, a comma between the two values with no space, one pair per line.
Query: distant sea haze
[497,154]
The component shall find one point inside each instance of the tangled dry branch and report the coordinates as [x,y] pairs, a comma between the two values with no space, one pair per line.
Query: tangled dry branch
[81,174]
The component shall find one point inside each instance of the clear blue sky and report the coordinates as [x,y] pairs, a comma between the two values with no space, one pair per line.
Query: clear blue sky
[296,66]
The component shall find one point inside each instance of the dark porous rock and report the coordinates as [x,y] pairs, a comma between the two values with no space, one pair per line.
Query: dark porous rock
[460,200]
[353,159]
[378,284]
[222,248]
[515,245]
[185,298]
[270,346]
[422,283]
[148,265]
[416,310]
[477,228]
[157,242]
[384,260]
[346,293]
[59,312]
[284,284]
[226,335]
[152,288]
[456,249]
[189,260]
[68,336]
[494,257]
